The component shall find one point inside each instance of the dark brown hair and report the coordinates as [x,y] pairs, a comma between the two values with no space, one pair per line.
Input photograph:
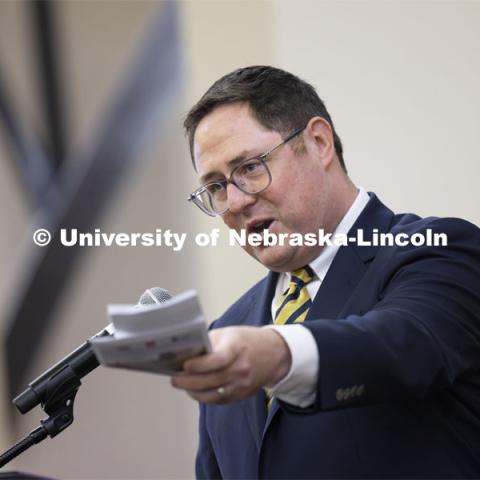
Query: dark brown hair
[278,100]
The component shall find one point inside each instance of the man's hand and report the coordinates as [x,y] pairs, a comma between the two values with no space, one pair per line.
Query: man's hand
[243,360]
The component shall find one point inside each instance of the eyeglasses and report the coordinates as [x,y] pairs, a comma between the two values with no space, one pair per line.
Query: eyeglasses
[251,176]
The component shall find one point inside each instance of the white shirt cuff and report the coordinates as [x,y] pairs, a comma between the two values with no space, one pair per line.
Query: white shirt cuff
[299,386]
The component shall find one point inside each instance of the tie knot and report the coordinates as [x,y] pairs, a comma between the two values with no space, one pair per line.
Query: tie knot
[295,302]
[302,276]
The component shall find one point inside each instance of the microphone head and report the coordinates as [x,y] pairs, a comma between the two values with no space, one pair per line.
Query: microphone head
[154,295]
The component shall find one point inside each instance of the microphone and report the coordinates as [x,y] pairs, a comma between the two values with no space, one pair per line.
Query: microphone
[154,295]
[82,360]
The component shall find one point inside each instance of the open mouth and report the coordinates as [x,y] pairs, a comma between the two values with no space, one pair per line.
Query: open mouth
[260,227]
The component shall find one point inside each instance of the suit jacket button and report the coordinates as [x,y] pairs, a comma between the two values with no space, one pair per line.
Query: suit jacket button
[340,394]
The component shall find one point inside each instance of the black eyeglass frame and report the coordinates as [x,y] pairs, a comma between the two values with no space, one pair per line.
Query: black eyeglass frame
[194,196]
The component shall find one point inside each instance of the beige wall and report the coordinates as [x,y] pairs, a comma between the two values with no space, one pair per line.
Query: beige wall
[400,80]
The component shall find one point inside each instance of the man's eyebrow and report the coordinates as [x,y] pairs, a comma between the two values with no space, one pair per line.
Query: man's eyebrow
[245,155]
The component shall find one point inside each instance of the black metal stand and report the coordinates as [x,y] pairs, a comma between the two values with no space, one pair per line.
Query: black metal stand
[58,404]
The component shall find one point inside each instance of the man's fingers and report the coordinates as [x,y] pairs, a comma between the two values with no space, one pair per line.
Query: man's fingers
[215,389]
[217,360]
[200,383]
[219,395]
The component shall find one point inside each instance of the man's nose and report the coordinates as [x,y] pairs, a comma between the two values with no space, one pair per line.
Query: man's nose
[238,200]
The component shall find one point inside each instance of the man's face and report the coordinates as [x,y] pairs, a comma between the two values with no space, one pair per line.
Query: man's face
[296,200]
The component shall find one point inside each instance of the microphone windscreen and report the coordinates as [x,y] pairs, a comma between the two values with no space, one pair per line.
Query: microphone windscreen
[154,295]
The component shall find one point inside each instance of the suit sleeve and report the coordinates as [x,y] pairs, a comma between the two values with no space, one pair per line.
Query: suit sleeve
[422,335]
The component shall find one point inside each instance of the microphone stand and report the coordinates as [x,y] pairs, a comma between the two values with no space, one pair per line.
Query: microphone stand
[58,404]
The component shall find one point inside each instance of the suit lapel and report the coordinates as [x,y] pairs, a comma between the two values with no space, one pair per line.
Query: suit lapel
[350,263]
[344,274]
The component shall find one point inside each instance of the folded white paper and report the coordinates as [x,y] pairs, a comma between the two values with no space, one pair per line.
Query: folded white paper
[154,338]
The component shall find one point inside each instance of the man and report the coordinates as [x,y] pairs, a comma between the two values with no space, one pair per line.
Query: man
[345,361]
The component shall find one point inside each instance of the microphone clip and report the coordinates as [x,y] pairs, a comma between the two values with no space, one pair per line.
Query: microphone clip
[57,402]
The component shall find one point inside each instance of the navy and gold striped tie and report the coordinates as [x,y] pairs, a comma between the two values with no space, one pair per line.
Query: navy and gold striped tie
[293,305]
[295,302]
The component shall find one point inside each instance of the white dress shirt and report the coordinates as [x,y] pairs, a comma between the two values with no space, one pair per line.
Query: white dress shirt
[299,386]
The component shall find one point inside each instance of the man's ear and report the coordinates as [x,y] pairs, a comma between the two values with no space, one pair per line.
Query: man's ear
[320,135]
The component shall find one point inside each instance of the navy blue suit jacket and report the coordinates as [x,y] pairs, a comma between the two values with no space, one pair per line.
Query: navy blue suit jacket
[398,333]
